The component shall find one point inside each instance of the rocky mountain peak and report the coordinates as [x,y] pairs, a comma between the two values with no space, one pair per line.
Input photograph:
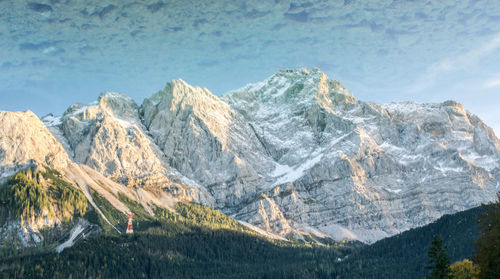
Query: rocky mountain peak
[113,103]
[119,104]
[181,100]
[289,90]
[179,91]
[286,85]
[25,142]
[206,140]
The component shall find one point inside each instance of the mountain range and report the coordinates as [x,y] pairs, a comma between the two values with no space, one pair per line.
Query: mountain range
[295,156]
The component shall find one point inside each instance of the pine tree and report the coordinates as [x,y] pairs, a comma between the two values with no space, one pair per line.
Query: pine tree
[439,262]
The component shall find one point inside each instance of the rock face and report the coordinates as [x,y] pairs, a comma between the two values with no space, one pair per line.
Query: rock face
[26,142]
[294,154]
[109,137]
[363,170]
[207,141]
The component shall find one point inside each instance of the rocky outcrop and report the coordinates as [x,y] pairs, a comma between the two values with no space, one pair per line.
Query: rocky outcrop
[207,141]
[25,142]
[109,137]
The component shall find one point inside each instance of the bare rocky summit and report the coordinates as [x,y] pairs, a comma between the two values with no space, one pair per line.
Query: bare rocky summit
[24,141]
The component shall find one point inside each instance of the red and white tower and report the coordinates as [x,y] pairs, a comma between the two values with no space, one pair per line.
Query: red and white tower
[130,229]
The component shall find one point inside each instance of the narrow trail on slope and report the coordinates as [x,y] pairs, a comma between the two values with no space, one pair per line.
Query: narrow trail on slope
[89,197]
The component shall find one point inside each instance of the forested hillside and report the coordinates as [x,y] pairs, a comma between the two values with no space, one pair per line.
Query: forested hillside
[198,242]
[31,203]
[405,255]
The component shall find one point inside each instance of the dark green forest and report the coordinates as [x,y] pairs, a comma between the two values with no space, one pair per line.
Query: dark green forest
[405,255]
[198,242]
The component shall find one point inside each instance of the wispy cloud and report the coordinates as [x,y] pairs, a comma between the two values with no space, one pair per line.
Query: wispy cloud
[493,82]
[460,62]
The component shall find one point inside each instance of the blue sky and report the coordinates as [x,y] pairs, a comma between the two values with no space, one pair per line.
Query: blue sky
[57,52]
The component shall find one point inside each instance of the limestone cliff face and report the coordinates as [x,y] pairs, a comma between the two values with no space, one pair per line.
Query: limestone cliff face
[26,142]
[205,140]
[109,137]
[363,170]
[294,154]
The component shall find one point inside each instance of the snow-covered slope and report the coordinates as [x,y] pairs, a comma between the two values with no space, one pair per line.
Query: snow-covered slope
[363,170]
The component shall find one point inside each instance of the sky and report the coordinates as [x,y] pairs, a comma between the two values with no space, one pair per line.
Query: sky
[54,53]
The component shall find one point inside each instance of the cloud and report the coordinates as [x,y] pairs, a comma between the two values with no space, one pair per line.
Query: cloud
[492,83]
[460,62]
